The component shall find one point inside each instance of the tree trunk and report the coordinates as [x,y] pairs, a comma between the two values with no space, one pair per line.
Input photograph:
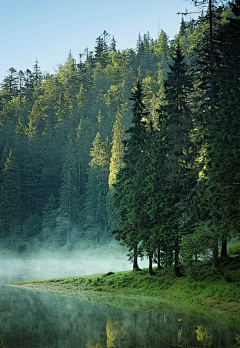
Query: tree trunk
[215,240]
[150,265]
[177,272]
[159,257]
[214,216]
[224,248]
[135,258]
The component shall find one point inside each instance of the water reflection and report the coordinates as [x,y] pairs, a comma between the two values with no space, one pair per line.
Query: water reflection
[31,319]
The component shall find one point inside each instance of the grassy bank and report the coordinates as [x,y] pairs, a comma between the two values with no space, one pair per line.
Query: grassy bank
[210,294]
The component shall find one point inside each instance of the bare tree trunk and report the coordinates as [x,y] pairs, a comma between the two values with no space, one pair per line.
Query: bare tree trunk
[135,258]
[150,265]
[215,239]
[177,272]
[224,248]
[159,258]
[214,216]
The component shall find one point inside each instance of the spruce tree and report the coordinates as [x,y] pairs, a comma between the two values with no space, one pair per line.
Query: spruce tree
[223,128]
[10,201]
[10,84]
[129,193]
[68,211]
[36,74]
[207,116]
[116,163]
[97,189]
[113,45]
[37,119]
[172,172]
[49,220]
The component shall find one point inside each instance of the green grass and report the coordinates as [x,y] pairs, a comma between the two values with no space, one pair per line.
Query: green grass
[210,293]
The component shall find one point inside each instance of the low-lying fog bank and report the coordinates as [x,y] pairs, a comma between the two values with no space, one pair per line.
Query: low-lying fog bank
[47,265]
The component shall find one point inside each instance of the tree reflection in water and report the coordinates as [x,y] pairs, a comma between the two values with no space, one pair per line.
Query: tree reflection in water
[31,319]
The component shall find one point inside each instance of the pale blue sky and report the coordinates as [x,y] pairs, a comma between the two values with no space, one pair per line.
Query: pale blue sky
[48,29]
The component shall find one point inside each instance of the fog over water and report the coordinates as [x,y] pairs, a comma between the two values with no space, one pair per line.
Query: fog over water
[47,265]
[35,320]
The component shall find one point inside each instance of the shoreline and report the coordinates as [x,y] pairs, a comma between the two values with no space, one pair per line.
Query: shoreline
[213,298]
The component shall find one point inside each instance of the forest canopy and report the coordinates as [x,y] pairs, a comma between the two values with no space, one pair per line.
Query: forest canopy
[143,143]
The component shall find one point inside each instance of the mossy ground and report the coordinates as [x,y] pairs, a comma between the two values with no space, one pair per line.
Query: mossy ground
[207,293]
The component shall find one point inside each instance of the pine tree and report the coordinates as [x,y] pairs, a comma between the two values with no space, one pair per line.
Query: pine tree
[21,78]
[139,45]
[223,128]
[162,51]
[207,92]
[101,48]
[97,189]
[31,228]
[113,45]
[68,211]
[10,200]
[37,74]
[116,163]
[29,88]
[129,193]
[179,134]
[117,150]
[182,30]
[64,113]
[172,174]
[105,37]
[37,119]
[10,84]
[49,219]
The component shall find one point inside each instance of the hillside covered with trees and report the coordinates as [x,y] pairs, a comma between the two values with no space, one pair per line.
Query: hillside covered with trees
[143,143]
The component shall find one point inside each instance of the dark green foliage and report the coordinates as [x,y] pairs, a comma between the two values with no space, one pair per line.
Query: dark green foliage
[36,74]
[129,188]
[217,81]
[172,175]
[49,219]
[10,200]
[178,174]
[10,84]
[69,195]
[97,188]
[116,163]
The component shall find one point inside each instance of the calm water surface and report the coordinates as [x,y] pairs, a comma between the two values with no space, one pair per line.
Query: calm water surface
[32,319]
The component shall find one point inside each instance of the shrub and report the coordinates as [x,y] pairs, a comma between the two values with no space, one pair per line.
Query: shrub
[234,249]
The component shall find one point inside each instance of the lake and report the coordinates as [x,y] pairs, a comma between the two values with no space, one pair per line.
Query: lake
[32,319]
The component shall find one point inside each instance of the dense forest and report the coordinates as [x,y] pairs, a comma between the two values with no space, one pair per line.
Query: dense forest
[142,144]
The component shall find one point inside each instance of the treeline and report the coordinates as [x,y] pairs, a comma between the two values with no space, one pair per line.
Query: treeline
[56,134]
[75,164]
